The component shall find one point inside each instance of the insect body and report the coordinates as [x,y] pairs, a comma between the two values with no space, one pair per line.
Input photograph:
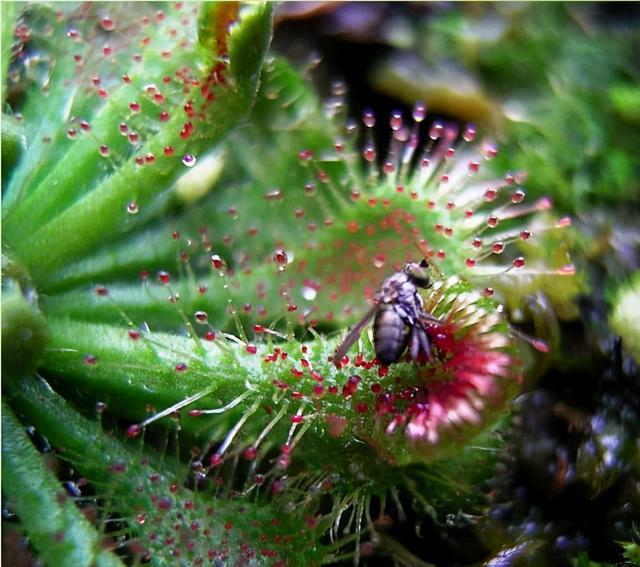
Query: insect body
[399,317]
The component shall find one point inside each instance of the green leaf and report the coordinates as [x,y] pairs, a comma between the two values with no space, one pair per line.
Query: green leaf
[8,13]
[58,218]
[56,527]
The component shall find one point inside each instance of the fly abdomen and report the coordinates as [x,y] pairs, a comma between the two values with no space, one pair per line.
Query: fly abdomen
[390,335]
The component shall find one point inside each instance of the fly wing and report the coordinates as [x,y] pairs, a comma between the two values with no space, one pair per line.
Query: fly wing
[353,335]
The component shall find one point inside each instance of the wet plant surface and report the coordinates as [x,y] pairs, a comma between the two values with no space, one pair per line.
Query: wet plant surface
[349,284]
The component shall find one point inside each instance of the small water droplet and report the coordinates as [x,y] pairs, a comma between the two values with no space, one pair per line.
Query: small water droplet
[134,430]
[436,130]
[517,197]
[108,24]
[273,195]
[568,270]
[281,259]
[189,160]
[217,262]
[497,247]
[309,293]
[396,120]
[469,133]
[379,260]
[201,317]
[133,208]
[419,112]
[369,118]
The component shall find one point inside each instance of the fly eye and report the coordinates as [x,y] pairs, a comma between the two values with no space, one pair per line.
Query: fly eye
[419,274]
[424,263]
[421,280]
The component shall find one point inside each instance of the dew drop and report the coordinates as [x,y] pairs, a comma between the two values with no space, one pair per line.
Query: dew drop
[201,317]
[497,247]
[141,518]
[309,293]
[518,262]
[517,197]
[168,151]
[164,116]
[281,259]
[180,367]
[251,348]
[369,118]
[134,430]
[419,112]
[369,153]
[436,130]
[490,195]
[250,453]
[134,335]
[71,133]
[107,24]
[189,160]
[470,262]
[491,152]
[100,407]
[90,359]
[395,121]
[217,262]
[305,156]
[493,221]
[134,106]
[568,270]
[379,260]
[469,133]
[164,277]
[133,208]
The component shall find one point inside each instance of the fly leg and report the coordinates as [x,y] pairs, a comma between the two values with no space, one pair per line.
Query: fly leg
[419,343]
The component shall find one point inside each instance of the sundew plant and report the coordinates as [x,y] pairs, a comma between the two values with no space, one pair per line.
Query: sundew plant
[190,232]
